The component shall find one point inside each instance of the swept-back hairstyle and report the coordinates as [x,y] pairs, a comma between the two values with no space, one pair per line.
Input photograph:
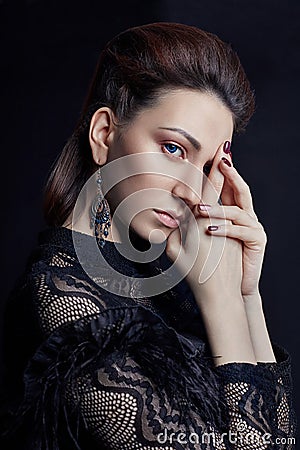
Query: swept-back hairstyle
[133,70]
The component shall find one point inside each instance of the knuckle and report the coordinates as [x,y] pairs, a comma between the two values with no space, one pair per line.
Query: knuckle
[242,233]
[265,237]
[263,234]
[245,188]
[236,210]
[252,214]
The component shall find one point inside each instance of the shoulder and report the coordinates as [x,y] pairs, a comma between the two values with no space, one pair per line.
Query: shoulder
[61,291]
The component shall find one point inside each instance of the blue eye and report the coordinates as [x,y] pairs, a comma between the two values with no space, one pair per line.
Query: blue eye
[173,148]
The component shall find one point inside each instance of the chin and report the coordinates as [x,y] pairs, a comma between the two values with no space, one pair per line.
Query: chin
[149,234]
[157,236]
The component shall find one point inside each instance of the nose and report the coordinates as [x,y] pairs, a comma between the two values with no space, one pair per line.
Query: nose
[185,193]
[189,187]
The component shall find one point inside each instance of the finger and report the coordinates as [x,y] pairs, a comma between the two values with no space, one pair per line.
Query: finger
[177,237]
[241,190]
[235,214]
[252,237]
[213,184]
[227,196]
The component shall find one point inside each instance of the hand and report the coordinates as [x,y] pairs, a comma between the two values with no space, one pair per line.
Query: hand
[215,266]
[243,225]
[218,267]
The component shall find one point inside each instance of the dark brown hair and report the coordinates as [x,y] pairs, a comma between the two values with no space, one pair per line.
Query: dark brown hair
[133,70]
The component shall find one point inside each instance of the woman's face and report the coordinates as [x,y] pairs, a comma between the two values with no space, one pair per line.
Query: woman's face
[184,129]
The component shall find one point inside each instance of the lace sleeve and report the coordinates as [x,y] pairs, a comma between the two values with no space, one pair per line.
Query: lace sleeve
[119,375]
[259,402]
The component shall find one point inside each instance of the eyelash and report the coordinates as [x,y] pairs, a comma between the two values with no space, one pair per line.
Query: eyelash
[206,168]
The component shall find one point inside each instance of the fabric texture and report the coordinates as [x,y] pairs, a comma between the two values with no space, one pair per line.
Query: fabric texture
[90,369]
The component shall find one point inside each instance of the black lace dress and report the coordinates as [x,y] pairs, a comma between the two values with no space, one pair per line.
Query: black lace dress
[89,369]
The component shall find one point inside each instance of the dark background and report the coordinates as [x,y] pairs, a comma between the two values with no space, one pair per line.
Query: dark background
[48,53]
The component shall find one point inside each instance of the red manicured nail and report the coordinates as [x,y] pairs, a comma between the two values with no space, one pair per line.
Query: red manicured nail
[228,163]
[212,228]
[226,147]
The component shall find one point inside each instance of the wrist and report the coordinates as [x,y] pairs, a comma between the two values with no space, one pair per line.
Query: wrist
[227,310]
[254,295]
[227,329]
[216,301]
[253,302]
[258,329]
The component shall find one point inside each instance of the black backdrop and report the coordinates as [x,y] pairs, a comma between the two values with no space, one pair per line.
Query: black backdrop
[48,53]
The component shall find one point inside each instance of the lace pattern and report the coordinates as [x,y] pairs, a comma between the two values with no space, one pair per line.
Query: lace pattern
[121,370]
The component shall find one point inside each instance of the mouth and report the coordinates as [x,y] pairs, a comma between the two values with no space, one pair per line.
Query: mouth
[168,218]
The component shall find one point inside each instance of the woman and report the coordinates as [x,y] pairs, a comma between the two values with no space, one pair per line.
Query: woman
[130,351]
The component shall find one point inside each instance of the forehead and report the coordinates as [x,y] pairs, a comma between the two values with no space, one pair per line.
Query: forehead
[202,115]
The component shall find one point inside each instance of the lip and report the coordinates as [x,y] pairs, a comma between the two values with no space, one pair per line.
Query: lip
[168,217]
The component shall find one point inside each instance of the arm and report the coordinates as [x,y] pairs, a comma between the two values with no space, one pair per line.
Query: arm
[242,223]
[247,385]
[231,308]
[226,271]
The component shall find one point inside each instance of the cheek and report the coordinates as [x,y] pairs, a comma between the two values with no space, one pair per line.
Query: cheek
[136,195]
[144,182]
[132,142]
[129,191]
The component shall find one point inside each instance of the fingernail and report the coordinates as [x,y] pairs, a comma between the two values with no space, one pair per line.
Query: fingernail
[213,228]
[204,207]
[226,147]
[228,163]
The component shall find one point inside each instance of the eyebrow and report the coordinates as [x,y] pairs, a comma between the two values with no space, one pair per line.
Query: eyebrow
[196,144]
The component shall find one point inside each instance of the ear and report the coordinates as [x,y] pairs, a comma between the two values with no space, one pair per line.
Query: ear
[101,132]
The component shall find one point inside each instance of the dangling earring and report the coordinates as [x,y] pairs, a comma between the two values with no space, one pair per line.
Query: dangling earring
[100,214]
